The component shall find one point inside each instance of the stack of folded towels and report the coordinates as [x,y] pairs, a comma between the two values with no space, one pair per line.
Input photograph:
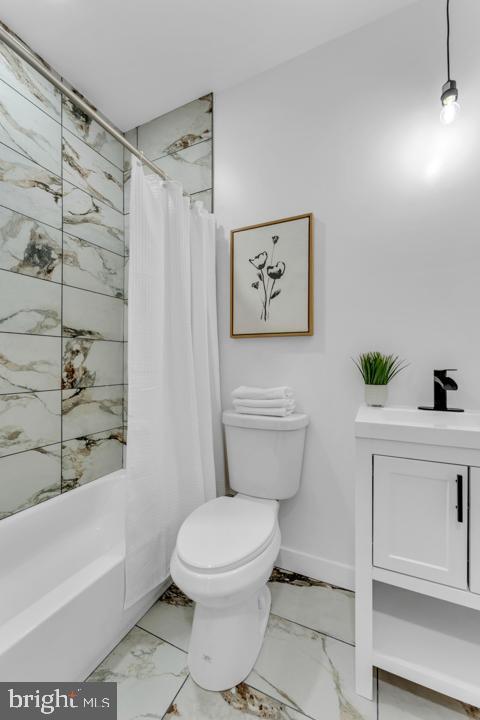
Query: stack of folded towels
[278,401]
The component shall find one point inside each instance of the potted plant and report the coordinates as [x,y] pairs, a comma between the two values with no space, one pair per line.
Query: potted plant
[377,370]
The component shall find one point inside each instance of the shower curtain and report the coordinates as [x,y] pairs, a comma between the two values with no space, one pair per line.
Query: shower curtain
[174,448]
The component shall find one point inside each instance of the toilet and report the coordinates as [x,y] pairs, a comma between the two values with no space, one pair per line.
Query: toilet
[226,548]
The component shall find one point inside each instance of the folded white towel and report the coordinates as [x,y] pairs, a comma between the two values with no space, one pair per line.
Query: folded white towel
[255,393]
[280,402]
[276,411]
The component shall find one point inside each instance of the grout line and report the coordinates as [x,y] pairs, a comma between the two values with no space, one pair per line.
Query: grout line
[182,150]
[281,702]
[212,161]
[12,87]
[61,389]
[61,283]
[34,162]
[87,143]
[30,217]
[82,190]
[61,301]
[87,337]
[96,292]
[175,696]
[59,336]
[90,242]
[93,149]
[104,202]
[319,632]
[185,652]
[33,277]
[58,442]
[37,447]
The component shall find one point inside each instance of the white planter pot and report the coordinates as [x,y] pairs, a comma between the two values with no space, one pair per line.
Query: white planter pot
[376,395]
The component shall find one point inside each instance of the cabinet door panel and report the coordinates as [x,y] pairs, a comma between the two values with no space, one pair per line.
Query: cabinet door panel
[475,530]
[417,527]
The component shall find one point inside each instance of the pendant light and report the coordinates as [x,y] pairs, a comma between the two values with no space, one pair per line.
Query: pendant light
[449,97]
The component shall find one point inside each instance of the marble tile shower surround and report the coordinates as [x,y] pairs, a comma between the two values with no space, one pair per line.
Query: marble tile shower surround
[181,144]
[62,292]
[304,670]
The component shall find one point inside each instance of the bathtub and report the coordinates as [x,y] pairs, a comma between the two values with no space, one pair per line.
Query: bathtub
[62,584]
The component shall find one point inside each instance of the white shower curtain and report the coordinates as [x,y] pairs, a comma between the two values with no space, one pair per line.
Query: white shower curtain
[174,430]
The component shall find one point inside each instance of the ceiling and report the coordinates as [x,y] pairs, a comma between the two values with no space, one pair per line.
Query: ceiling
[137,59]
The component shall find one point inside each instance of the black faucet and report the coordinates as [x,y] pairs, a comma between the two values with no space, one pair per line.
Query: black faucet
[442,383]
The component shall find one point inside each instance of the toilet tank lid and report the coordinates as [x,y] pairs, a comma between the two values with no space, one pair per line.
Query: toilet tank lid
[295,421]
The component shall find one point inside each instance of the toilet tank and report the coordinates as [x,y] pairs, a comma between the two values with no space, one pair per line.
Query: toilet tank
[265,453]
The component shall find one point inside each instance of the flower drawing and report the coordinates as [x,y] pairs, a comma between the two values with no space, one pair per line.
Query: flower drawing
[259,261]
[268,274]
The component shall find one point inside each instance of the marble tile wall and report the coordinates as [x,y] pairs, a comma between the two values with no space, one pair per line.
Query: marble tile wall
[180,143]
[62,260]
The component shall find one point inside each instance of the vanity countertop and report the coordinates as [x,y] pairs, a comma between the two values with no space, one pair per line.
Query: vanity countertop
[407,424]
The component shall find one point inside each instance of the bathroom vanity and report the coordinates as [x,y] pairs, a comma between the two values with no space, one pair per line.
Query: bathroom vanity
[418,549]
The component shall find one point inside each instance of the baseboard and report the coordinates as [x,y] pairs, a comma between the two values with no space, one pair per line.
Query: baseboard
[329,571]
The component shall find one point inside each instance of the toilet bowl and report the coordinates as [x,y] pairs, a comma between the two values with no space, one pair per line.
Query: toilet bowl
[226,548]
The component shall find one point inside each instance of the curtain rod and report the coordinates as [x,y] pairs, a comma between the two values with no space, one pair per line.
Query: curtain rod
[32,60]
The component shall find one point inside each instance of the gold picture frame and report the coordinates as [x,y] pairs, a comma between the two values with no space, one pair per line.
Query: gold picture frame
[268,281]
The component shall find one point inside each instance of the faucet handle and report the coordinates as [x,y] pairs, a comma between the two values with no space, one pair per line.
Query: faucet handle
[445,370]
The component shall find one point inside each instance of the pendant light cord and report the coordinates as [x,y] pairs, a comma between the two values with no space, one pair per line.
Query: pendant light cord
[448,39]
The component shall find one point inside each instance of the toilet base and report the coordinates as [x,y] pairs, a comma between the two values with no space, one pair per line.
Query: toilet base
[225,642]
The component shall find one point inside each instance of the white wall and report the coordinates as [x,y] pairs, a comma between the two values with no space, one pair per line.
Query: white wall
[351,132]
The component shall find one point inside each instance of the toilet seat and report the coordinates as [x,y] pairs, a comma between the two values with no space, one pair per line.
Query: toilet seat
[226,533]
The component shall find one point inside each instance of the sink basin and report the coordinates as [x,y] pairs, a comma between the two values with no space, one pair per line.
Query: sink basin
[421,426]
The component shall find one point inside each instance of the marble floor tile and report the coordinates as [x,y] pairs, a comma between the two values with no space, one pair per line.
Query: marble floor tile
[91,172]
[91,267]
[194,703]
[29,188]
[148,673]
[178,129]
[85,128]
[309,672]
[171,618]
[29,130]
[399,699]
[29,420]
[29,247]
[27,81]
[91,410]
[28,305]
[314,604]
[192,167]
[90,315]
[91,362]
[92,220]
[29,478]
[88,458]
[29,362]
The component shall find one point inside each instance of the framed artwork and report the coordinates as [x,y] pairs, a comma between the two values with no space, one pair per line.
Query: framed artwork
[271,278]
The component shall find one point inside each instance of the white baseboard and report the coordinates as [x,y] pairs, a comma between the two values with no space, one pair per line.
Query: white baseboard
[329,571]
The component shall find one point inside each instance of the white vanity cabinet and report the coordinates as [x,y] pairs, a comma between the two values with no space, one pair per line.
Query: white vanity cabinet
[417,549]
[420,519]
[475,530]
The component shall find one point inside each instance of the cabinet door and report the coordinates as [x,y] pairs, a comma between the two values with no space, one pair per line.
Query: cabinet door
[475,530]
[418,528]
